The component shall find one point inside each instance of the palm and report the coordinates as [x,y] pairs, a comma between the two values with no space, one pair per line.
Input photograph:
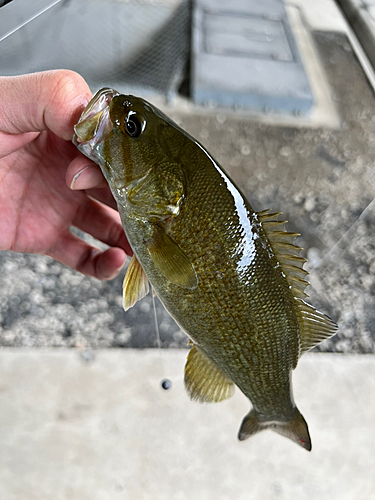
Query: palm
[38,208]
[34,196]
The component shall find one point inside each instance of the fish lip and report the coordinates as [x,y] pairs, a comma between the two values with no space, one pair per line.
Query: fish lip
[98,109]
[99,102]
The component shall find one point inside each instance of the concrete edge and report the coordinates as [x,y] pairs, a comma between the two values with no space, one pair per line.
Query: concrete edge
[363,25]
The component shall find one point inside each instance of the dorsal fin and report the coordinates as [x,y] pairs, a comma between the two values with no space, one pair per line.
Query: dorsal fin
[315,326]
[282,243]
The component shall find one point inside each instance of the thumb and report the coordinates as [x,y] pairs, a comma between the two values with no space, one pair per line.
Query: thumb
[50,100]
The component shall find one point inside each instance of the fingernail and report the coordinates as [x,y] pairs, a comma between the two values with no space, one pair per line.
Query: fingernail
[76,177]
[88,177]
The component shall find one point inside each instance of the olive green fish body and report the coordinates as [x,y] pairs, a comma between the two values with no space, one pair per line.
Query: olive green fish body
[231,278]
[229,315]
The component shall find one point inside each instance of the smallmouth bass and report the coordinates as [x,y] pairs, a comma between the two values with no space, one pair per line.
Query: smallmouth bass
[231,278]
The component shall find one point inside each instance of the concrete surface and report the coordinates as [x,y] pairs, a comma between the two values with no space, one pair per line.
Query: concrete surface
[76,427]
[361,16]
[322,15]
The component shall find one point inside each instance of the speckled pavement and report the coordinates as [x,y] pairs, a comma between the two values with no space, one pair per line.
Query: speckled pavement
[322,179]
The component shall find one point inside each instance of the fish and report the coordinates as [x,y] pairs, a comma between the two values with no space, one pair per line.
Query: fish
[231,278]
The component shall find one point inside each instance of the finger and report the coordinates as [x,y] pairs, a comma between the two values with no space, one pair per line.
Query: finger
[103,195]
[10,143]
[86,259]
[103,223]
[50,100]
[84,174]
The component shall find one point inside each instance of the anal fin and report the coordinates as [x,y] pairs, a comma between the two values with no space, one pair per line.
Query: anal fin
[135,285]
[204,381]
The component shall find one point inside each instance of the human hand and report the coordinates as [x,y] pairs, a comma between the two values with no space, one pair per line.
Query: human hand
[37,164]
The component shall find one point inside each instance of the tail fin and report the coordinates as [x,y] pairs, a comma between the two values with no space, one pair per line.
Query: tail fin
[295,429]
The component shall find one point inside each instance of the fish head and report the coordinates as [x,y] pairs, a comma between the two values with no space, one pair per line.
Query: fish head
[136,146]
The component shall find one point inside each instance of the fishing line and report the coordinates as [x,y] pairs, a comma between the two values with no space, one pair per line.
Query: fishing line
[317,286]
[158,340]
[344,237]
[165,382]
[30,19]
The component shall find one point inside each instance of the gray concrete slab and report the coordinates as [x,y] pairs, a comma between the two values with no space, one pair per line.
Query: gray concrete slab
[322,15]
[75,429]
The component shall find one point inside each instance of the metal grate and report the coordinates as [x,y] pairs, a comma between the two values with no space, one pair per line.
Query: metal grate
[141,45]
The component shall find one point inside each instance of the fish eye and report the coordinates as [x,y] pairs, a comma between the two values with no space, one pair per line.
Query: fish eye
[133,126]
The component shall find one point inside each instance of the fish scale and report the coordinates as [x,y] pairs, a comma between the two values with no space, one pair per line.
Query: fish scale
[242,316]
[231,278]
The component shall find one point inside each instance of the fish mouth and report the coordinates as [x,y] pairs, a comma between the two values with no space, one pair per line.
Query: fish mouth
[94,124]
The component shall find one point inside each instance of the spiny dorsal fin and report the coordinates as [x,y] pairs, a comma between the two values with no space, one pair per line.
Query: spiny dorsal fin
[135,285]
[315,326]
[282,243]
[265,215]
[204,381]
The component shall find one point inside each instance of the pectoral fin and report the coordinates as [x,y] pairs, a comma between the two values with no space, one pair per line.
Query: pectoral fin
[171,261]
[135,285]
[204,381]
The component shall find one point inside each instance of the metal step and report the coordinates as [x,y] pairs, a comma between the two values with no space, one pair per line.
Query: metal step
[245,56]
